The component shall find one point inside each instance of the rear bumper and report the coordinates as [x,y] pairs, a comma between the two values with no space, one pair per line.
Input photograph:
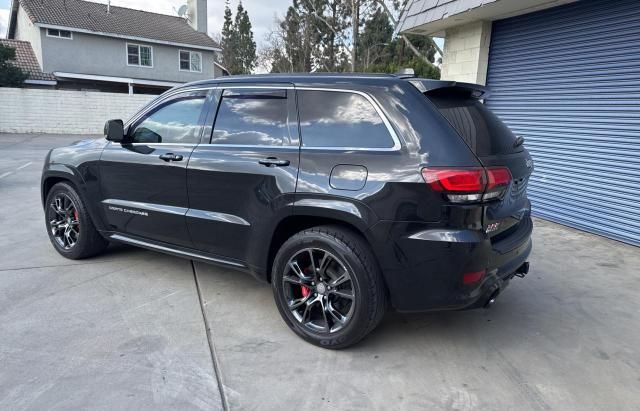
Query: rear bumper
[423,267]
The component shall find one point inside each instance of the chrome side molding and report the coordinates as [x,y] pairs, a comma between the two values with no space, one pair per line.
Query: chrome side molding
[151,246]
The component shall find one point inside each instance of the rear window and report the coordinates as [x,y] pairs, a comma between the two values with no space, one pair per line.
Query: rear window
[482,130]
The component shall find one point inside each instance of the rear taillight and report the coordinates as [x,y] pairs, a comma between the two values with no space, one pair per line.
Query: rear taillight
[498,179]
[463,185]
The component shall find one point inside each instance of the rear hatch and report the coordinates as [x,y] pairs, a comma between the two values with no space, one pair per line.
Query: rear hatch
[495,146]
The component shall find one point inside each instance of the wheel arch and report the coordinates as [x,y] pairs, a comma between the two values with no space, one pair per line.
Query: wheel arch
[295,223]
[52,178]
[69,175]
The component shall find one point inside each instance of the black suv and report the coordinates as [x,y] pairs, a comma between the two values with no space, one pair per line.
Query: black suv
[346,192]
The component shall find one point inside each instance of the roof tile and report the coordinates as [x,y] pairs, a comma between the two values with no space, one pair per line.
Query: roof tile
[26,59]
[122,21]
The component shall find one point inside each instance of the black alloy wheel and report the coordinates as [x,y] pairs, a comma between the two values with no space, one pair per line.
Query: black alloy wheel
[63,221]
[69,225]
[328,287]
[319,290]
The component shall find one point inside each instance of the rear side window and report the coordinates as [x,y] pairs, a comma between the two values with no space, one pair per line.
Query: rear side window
[482,130]
[340,119]
[252,117]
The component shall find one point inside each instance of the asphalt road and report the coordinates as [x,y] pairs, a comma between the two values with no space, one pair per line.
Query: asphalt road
[127,330]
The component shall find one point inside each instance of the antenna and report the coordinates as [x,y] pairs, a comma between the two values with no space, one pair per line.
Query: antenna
[109,7]
[182,11]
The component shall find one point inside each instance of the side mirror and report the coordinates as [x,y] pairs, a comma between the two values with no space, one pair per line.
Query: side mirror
[114,130]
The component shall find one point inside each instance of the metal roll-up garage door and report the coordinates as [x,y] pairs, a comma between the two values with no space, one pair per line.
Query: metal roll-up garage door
[567,79]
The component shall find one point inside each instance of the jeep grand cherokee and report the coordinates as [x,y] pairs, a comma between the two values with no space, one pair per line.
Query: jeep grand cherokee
[346,192]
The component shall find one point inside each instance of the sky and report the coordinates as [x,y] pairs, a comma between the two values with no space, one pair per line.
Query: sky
[261,12]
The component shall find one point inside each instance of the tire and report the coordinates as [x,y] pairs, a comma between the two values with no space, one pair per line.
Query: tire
[75,220]
[335,321]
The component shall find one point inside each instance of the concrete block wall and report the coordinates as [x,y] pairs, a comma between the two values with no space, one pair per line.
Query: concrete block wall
[24,110]
[466,53]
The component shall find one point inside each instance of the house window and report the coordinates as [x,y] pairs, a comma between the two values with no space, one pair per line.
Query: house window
[63,34]
[139,55]
[190,61]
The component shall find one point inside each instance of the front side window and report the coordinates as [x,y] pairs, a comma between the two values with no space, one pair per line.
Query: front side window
[64,34]
[341,119]
[139,55]
[175,122]
[252,117]
[190,61]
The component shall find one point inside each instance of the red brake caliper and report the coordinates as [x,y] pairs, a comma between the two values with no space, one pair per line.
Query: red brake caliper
[305,291]
[75,215]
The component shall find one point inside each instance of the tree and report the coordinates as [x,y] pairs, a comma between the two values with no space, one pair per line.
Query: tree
[382,53]
[279,62]
[355,31]
[10,75]
[296,40]
[346,35]
[245,46]
[228,41]
[375,38]
[238,46]
[273,53]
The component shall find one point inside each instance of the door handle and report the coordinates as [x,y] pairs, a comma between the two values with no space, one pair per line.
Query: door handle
[273,161]
[171,157]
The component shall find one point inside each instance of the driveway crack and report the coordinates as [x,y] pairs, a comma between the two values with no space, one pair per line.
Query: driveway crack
[212,348]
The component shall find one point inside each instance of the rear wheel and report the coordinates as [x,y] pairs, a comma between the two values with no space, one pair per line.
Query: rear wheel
[328,287]
[69,225]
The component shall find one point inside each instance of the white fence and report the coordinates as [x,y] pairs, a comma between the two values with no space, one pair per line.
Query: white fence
[24,110]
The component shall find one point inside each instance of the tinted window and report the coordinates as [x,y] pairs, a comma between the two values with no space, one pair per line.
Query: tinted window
[252,117]
[340,119]
[175,122]
[482,130]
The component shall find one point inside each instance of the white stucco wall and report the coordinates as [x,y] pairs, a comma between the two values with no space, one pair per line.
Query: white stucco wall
[27,31]
[25,110]
[466,53]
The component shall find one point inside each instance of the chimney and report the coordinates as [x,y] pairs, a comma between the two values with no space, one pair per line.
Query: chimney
[197,13]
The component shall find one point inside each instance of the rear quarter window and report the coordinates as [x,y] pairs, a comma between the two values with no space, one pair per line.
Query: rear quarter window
[341,119]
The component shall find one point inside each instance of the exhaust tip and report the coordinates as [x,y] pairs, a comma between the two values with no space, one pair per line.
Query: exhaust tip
[492,299]
[523,270]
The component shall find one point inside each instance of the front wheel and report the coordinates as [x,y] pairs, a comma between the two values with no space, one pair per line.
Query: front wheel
[328,287]
[69,225]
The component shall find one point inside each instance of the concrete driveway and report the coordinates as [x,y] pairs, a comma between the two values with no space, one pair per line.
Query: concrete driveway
[127,330]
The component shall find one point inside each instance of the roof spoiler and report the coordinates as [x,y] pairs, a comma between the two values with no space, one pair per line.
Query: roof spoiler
[427,85]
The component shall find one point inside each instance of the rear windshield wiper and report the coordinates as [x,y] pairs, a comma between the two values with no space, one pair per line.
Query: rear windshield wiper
[519,141]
